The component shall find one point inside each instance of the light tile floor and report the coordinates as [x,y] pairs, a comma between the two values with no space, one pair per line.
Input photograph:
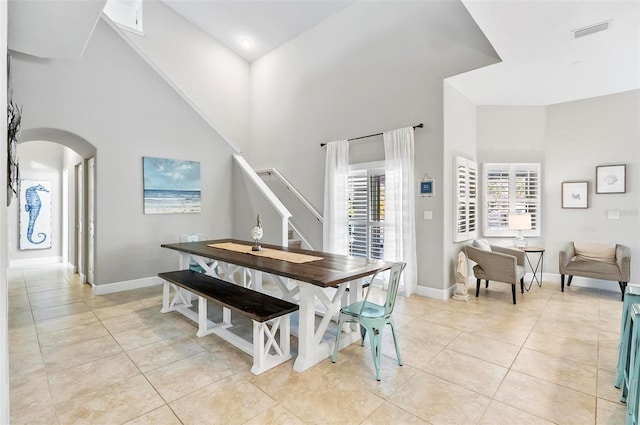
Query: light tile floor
[115,359]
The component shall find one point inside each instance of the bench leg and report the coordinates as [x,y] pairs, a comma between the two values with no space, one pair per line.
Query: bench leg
[202,317]
[226,316]
[181,297]
[165,297]
[264,341]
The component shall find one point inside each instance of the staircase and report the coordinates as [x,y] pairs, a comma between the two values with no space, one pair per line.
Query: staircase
[305,223]
[293,242]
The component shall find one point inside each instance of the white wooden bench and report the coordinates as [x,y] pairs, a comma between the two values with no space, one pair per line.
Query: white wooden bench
[269,315]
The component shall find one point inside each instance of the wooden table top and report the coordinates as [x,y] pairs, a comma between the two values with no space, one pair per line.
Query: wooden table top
[533,249]
[332,270]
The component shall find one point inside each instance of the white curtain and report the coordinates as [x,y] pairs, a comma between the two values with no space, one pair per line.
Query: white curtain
[336,175]
[400,222]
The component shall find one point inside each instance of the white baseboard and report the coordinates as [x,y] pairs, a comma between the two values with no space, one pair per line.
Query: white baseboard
[126,285]
[549,278]
[38,261]
[438,294]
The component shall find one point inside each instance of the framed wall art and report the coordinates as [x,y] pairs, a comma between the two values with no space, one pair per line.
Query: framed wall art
[171,186]
[611,178]
[425,187]
[35,214]
[575,194]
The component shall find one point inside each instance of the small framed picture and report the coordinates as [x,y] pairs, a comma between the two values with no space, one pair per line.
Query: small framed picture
[426,187]
[575,194]
[611,178]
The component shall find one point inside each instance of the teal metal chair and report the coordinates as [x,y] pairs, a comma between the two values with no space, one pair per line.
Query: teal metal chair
[372,318]
[632,378]
[194,237]
[631,297]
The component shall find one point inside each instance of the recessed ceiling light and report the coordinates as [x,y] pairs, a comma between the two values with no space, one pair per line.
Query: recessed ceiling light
[246,43]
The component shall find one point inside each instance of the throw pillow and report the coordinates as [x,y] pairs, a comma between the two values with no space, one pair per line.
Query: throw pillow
[595,251]
[482,244]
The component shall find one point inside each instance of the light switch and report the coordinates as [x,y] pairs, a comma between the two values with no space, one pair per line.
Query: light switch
[428,215]
[613,214]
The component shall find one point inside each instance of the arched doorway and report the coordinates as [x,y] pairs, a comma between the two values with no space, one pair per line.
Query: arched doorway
[78,245]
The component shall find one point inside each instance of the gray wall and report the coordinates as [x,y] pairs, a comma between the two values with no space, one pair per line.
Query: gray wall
[210,75]
[570,140]
[113,99]
[460,121]
[374,66]
[580,136]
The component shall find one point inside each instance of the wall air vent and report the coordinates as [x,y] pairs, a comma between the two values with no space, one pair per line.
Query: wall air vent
[591,29]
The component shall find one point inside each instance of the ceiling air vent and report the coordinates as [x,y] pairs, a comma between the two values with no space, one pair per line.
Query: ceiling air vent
[591,29]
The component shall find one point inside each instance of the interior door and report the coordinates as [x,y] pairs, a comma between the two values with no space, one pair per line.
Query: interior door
[91,219]
[79,222]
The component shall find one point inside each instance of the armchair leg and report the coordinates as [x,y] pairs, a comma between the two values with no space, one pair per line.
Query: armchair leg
[569,281]
[623,287]
[513,293]
[522,285]
[486,283]
[478,286]
[561,283]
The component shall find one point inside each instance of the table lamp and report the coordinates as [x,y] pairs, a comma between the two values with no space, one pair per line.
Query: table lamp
[520,222]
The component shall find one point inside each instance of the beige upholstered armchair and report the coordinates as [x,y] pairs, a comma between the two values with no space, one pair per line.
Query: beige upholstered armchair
[598,260]
[497,263]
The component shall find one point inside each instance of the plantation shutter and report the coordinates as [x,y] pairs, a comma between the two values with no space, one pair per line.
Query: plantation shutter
[357,213]
[466,183]
[511,188]
[365,195]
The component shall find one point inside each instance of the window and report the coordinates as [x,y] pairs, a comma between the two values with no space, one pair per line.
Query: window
[126,13]
[511,188]
[365,198]
[466,208]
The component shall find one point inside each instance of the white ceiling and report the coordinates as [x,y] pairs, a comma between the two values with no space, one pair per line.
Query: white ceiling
[541,62]
[266,24]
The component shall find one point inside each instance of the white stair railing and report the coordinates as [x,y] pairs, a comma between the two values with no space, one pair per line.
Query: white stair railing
[273,200]
[306,220]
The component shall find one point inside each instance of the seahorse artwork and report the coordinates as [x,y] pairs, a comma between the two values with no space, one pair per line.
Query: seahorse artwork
[35,216]
[33,206]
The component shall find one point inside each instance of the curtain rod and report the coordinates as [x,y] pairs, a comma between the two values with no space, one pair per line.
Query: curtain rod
[421,125]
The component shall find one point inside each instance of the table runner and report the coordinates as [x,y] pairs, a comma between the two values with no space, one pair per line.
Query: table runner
[292,257]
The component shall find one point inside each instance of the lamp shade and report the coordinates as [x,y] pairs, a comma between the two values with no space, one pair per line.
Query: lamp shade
[520,221]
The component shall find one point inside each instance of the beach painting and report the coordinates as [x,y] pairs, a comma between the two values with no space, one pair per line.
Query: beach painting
[171,186]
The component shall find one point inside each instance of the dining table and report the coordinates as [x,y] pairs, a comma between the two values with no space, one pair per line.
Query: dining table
[319,282]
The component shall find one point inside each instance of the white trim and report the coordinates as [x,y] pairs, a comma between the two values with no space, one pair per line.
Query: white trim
[129,29]
[127,285]
[438,294]
[552,279]
[581,282]
[38,261]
